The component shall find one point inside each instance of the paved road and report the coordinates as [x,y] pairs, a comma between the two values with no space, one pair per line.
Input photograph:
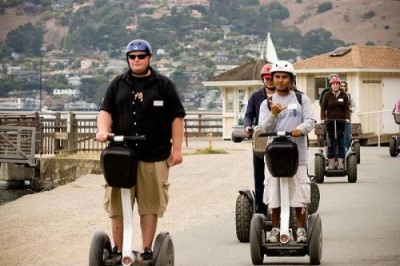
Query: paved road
[361,221]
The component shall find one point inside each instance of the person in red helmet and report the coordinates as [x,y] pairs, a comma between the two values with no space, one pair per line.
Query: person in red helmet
[335,105]
[251,120]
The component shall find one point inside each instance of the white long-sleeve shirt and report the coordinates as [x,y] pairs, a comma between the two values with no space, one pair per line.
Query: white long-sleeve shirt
[296,115]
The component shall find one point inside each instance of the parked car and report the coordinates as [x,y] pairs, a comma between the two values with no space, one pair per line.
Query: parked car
[238,134]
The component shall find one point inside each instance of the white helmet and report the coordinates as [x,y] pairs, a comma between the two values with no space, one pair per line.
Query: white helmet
[283,66]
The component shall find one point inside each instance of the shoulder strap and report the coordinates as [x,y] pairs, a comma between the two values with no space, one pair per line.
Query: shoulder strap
[299,98]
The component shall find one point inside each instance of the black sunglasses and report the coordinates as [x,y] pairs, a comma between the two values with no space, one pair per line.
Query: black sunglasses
[134,56]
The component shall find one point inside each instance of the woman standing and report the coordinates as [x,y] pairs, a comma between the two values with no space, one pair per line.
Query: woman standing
[335,105]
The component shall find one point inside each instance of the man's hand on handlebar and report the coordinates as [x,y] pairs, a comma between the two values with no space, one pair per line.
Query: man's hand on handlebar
[297,132]
[102,136]
[248,130]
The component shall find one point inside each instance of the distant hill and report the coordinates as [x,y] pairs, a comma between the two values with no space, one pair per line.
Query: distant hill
[348,19]
[352,21]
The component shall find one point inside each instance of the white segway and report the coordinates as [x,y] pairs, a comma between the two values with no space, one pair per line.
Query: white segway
[119,164]
[282,161]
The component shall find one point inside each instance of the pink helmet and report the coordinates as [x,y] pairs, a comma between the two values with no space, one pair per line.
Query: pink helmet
[334,80]
[266,71]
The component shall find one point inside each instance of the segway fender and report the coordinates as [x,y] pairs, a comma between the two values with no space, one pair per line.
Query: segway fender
[157,243]
[350,152]
[320,155]
[248,193]
[311,223]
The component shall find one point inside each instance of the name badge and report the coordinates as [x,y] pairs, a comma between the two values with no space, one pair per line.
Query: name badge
[158,103]
[292,106]
[340,100]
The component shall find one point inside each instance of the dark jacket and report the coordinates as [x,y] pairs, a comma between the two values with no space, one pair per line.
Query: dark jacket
[335,107]
[147,108]
[253,107]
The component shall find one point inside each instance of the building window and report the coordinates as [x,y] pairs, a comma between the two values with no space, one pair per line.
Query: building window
[229,101]
[320,84]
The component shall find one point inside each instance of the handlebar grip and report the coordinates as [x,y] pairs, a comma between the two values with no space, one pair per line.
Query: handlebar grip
[121,138]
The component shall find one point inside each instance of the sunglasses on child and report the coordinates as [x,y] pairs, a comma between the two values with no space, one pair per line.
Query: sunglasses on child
[134,56]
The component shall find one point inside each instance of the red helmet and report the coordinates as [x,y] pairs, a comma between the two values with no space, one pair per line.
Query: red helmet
[266,71]
[334,80]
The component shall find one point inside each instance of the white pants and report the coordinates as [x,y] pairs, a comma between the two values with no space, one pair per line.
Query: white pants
[299,189]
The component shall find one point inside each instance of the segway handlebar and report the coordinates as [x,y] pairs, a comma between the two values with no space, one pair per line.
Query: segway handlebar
[121,138]
[277,133]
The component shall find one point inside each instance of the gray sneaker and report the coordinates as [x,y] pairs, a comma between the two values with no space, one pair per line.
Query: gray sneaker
[114,258]
[274,235]
[301,235]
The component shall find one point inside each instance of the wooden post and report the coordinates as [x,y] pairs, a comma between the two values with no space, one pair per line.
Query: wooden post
[73,140]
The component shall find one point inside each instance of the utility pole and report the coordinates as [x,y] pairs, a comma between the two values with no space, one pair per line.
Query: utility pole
[40,82]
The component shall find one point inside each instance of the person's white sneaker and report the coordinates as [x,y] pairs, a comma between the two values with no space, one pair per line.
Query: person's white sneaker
[301,235]
[274,236]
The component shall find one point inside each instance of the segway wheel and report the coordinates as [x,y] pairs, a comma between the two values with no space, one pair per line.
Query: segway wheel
[393,147]
[319,168]
[352,168]
[256,241]
[315,243]
[356,148]
[244,213]
[163,250]
[100,248]
[315,197]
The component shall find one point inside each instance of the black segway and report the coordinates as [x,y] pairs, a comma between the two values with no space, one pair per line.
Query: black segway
[394,143]
[335,128]
[246,203]
[282,161]
[119,164]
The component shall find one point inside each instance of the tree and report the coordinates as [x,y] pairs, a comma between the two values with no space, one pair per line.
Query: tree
[26,39]
[319,41]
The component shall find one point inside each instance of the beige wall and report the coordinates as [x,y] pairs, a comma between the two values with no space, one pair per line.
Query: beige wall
[367,95]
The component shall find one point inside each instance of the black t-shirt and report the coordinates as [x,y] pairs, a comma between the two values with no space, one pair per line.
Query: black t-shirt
[144,106]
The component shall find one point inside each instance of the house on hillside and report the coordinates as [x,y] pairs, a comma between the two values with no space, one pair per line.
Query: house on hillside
[373,76]
[236,86]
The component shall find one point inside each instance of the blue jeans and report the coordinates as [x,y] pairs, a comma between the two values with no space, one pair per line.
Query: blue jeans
[347,136]
[341,152]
